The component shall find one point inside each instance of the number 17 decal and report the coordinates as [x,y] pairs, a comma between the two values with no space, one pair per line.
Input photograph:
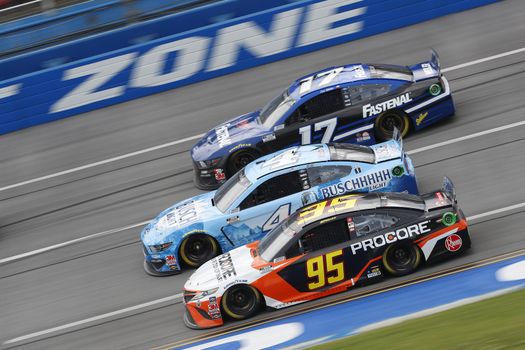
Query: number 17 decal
[329,125]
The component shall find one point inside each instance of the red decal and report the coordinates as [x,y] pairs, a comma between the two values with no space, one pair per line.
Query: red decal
[219,174]
[453,243]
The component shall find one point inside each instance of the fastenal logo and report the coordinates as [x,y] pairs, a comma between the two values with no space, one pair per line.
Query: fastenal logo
[391,237]
[369,109]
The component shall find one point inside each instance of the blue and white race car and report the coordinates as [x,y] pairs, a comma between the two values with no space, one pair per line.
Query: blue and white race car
[264,193]
[357,103]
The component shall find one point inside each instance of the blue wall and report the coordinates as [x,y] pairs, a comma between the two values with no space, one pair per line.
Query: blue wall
[39,95]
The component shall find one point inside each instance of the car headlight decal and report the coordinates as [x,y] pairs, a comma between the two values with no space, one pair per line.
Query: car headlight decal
[157,248]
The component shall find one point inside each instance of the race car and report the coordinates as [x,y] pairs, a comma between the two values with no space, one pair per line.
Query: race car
[357,103]
[266,192]
[326,248]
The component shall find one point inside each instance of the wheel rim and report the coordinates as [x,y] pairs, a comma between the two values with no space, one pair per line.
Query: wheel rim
[389,121]
[198,250]
[241,301]
[242,160]
[402,258]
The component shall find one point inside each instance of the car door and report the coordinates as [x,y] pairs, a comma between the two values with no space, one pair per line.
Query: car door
[272,201]
[331,259]
[308,123]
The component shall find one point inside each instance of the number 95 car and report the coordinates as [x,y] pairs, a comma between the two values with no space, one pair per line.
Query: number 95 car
[326,248]
[266,192]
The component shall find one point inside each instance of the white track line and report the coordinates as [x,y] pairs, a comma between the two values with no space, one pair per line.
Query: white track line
[466,137]
[102,162]
[73,241]
[176,296]
[95,235]
[94,318]
[195,137]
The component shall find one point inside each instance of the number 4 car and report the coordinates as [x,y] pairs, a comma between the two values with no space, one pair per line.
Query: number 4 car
[263,194]
[326,248]
[357,103]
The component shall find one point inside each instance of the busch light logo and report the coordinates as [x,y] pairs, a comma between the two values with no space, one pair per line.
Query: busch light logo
[372,181]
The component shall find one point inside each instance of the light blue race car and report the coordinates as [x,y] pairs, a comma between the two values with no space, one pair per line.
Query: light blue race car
[264,193]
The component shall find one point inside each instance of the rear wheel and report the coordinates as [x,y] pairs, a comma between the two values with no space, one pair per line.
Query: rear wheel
[241,301]
[196,249]
[240,159]
[401,259]
[385,123]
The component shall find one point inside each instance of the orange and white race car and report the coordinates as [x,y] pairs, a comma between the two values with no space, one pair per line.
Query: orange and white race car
[326,248]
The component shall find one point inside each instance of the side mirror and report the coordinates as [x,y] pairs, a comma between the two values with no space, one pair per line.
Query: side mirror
[308,198]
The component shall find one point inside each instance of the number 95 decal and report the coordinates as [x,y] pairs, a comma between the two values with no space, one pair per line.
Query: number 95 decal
[323,270]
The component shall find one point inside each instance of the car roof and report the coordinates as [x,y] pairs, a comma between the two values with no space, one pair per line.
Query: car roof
[287,158]
[354,203]
[350,73]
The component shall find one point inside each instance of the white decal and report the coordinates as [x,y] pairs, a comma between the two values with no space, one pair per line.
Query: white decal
[369,109]
[306,84]
[250,36]
[321,19]
[391,237]
[98,74]
[191,55]
[223,135]
[257,339]
[427,69]
[277,217]
[8,91]
[286,158]
[306,131]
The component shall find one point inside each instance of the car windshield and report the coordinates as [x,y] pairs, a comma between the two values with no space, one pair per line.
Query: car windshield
[275,109]
[231,190]
[277,239]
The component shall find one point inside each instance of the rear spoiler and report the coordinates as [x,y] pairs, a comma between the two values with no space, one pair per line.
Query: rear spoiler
[427,69]
[391,149]
[445,197]
[449,190]
[396,136]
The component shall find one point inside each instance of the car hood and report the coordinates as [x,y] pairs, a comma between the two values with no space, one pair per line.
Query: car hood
[179,219]
[233,266]
[227,136]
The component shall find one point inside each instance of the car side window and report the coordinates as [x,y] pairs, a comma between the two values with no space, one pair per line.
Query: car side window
[320,237]
[322,104]
[323,174]
[362,225]
[277,187]
[363,93]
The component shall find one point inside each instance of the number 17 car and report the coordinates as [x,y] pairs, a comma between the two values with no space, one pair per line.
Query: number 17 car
[326,248]
[357,103]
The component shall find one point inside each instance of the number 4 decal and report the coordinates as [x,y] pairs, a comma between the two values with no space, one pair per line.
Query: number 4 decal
[306,131]
[275,219]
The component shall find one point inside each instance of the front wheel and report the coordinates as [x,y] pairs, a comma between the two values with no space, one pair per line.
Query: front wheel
[196,249]
[401,259]
[385,123]
[241,301]
[239,160]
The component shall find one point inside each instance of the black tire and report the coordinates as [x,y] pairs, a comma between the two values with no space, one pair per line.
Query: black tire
[241,301]
[196,249]
[240,159]
[385,123]
[401,259]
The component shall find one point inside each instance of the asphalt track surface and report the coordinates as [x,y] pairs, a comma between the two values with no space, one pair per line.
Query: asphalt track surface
[104,274]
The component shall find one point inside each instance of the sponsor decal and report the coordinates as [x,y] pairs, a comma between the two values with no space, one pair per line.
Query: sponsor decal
[213,308]
[265,269]
[453,243]
[372,181]
[421,117]
[219,174]
[369,109]
[268,138]
[182,215]
[391,237]
[427,69]
[374,272]
[350,224]
[365,136]
[223,135]
[223,267]
[171,260]
[240,145]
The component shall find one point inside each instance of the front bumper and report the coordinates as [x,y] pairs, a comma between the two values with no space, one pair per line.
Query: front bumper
[207,179]
[203,314]
[155,264]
